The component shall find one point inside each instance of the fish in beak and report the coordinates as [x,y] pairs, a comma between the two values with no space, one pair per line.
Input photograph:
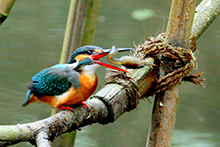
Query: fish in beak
[105,52]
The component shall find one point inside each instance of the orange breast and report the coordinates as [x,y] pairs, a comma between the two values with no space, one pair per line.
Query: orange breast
[88,84]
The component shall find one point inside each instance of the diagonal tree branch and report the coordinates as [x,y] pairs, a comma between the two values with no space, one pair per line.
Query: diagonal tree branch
[206,12]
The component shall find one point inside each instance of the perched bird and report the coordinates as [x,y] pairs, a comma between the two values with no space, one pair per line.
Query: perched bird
[63,85]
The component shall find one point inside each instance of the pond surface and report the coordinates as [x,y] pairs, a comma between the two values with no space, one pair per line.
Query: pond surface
[31,39]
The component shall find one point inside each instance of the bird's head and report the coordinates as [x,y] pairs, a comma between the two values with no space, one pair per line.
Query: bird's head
[88,58]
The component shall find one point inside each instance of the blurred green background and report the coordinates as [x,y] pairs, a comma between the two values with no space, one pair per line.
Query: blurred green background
[31,39]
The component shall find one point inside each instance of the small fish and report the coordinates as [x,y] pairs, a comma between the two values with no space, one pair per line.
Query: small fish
[127,61]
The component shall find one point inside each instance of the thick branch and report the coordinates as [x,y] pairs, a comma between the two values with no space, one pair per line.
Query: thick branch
[62,122]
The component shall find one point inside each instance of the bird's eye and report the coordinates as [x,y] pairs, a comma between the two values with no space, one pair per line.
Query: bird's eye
[89,52]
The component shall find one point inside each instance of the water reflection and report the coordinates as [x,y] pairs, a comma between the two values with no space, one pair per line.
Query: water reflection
[192,138]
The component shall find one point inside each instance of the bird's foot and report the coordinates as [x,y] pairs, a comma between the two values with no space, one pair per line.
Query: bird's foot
[83,103]
[65,108]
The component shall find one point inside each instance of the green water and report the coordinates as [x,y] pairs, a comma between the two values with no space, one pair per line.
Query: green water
[31,39]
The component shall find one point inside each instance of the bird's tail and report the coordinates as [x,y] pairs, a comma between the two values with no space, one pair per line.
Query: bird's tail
[28,98]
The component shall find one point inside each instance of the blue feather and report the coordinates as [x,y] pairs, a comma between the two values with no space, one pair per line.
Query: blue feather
[28,96]
[55,80]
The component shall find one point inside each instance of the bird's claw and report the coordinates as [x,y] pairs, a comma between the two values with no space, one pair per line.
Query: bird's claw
[83,103]
[65,108]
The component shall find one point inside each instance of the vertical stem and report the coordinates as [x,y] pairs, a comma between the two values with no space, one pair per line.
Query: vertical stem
[90,24]
[165,104]
[5,7]
[78,28]
[180,22]
[163,118]
[68,32]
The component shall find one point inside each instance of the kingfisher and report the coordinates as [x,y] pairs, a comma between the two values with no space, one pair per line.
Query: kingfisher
[64,85]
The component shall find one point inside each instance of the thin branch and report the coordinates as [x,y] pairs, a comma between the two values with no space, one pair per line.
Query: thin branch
[206,12]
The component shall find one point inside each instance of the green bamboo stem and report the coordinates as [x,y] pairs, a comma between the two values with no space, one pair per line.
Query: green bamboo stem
[5,7]
[165,104]
[78,27]
[90,23]
[68,32]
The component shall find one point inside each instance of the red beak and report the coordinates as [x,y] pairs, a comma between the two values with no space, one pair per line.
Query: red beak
[96,58]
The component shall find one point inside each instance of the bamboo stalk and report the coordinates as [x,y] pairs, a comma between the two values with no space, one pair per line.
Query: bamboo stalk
[5,7]
[68,139]
[165,104]
[180,23]
[68,33]
[90,23]
[78,28]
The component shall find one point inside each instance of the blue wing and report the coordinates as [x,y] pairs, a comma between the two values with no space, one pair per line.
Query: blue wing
[54,80]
